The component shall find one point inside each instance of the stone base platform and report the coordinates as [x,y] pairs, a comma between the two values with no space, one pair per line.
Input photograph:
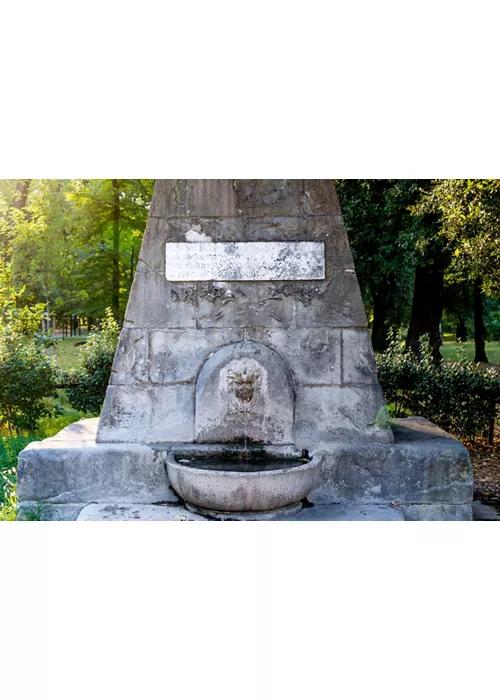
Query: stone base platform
[108,512]
[424,475]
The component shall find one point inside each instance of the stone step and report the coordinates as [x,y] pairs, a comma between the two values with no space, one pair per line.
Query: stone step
[339,512]
[151,513]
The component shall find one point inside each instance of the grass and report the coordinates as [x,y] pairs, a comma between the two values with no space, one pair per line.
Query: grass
[450,347]
[67,351]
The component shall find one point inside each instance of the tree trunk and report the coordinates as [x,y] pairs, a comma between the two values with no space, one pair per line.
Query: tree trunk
[115,291]
[20,196]
[479,327]
[427,309]
[461,332]
[379,330]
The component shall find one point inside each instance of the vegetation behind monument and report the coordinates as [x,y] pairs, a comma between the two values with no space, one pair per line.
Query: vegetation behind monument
[87,383]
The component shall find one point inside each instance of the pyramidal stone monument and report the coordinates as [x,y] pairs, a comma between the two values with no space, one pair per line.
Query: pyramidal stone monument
[246,334]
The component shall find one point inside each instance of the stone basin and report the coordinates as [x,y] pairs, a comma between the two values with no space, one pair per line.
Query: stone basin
[228,483]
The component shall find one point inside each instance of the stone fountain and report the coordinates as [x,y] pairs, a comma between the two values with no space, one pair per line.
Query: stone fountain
[244,384]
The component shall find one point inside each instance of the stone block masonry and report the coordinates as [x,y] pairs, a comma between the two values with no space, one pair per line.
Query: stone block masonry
[232,261]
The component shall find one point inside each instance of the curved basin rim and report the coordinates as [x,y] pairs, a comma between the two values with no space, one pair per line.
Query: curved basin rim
[314,462]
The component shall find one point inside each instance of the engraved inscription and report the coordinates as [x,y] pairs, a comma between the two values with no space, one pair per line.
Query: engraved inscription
[249,261]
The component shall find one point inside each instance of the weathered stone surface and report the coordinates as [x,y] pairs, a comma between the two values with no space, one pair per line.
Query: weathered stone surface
[83,431]
[319,197]
[181,230]
[204,229]
[141,512]
[148,415]
[268,197]
[423,466]
[130,365]
[177,356]
[244,304]
[341,512]
[329,229]
[439,511]
[244,392]
[194,198]
[67,469]
[336,302]
[358,358]
[154,303]
[339,414]
[200,260]
[137,511]
[313,355]
[295,304]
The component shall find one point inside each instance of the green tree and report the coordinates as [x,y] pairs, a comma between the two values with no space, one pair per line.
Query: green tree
[111,216]
[76,245]
[469,219]
[383,234]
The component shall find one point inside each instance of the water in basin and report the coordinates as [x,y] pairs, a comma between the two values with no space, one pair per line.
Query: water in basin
[234,463]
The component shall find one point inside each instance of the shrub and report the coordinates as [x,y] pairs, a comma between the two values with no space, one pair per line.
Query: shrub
[27,375]
[27,379]
[87,384]
[459,396]
[10,446]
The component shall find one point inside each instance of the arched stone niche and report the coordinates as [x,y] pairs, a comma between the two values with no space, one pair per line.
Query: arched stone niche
[244,392]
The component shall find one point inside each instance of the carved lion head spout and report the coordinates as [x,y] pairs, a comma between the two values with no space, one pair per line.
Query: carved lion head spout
[244,378]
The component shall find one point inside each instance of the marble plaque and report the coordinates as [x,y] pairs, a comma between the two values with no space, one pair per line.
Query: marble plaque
[251,261]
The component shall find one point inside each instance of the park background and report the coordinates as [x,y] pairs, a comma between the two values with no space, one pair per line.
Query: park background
[427,255]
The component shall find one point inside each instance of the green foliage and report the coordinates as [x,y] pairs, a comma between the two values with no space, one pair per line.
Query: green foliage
[62,242]
[492,318]
[36,512]
[64,415]
[458,396]
[86,385]
[27,376]
[469,215]
[10,447]
[384,237]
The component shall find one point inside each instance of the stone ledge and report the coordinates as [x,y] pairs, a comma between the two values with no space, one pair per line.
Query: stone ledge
[107,512]
[114,512]
[424,471]
[71,468]
[424,465]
